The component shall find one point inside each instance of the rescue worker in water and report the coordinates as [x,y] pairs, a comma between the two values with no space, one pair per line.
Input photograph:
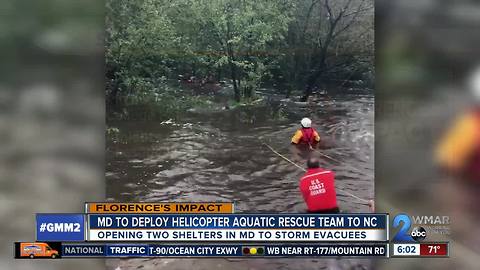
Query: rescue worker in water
[318,189]
[306,134]
[459,151]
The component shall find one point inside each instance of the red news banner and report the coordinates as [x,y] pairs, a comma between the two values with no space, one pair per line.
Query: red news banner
[434,249]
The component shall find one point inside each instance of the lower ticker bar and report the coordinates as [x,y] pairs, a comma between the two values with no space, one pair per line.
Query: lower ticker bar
[223,250]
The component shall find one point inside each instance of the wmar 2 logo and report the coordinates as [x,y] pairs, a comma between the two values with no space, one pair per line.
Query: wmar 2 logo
[403,221]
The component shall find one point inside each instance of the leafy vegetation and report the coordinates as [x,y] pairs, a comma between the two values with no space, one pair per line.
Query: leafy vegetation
[292,45]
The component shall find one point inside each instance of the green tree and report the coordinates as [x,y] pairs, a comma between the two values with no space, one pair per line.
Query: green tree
[241,32]
[294,44]
[139,41]
[328,36]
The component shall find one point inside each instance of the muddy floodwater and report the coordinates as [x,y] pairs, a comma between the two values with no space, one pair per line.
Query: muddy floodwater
[217,154]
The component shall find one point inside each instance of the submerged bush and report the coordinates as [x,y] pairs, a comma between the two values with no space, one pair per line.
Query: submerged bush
[155,101]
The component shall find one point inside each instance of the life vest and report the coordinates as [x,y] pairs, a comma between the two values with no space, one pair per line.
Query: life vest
[308,135]
[318,190]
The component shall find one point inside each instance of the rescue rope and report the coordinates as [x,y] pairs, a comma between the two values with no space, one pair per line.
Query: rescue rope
[322,154]
[282,156]
[353,196]
[303,169]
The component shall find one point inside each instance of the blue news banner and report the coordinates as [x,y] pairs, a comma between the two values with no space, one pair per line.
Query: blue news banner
[238,228]
[212,228]
[224,250]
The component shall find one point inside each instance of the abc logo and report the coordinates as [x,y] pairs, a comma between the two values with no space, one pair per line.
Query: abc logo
[418,233]
[403,222]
